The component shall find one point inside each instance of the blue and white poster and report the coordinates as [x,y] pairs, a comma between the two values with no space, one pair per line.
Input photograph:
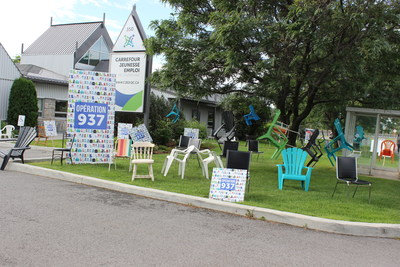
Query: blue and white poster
[91,98]
[228,184]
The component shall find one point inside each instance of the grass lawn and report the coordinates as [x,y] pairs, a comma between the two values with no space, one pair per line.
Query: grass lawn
[264,192]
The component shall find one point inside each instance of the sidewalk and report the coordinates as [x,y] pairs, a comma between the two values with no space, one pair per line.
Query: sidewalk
[327,225]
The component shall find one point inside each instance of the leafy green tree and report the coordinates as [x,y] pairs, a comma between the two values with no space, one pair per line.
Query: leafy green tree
[23,101]
[300,54]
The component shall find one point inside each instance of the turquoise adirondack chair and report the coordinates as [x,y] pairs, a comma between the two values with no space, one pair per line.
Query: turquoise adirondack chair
[358,137]
[174,112]
[341,143]
[275,136]
[293,167]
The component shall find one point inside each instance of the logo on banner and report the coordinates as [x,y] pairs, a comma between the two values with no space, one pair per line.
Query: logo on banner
[90,116]
[129,40]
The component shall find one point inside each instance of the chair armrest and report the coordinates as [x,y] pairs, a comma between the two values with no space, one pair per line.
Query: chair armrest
[20,148]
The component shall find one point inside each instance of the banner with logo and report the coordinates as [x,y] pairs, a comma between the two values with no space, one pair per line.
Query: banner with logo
[91,98]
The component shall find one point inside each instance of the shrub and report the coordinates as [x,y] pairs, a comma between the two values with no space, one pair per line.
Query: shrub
[163,133]
[197,125]
[23,101]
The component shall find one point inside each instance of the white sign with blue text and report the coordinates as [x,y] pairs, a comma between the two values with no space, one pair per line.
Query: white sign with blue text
[228,184]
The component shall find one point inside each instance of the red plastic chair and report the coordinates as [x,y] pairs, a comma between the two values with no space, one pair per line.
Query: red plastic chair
[387,150]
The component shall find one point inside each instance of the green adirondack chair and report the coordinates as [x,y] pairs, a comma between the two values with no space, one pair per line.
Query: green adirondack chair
[275,136]
[293,167]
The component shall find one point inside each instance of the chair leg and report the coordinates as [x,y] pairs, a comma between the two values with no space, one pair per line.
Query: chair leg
[355,191]
[151,172]
[134,171]
[5,161]
[334,189]
[369,195]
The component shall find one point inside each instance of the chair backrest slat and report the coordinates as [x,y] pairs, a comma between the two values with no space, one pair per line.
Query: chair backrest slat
[142,150]
[294,160]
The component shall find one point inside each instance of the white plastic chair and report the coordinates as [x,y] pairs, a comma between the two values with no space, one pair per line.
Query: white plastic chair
[181,157]
[142,153]
[212,157]
[7,130]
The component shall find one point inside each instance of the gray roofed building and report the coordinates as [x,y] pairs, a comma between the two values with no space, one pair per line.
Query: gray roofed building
[71,46]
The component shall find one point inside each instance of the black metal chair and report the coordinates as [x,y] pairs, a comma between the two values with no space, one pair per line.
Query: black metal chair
[253,147]
[346,173]
[183,142]
[228,125]
[239,160]
[229,145]
[58,153]
[313,149]
[25,137]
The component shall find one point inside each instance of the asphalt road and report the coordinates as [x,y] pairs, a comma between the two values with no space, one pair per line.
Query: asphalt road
[46,222]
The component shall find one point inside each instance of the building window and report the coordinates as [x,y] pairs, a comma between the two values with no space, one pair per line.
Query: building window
[196,114]
[61,108]
[210,119]
[40,107]
[97,53]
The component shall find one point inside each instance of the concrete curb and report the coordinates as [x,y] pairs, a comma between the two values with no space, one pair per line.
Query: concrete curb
[309,222]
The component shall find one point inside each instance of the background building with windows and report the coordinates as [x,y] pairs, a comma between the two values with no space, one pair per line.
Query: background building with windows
[82,46]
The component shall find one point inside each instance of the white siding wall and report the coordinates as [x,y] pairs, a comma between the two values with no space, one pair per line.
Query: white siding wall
[58,92]
[61,64]
[8,73]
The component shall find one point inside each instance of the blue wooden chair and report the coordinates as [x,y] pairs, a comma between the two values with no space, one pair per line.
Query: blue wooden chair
[251,116]
[292,168]
[174,112]
[341,142]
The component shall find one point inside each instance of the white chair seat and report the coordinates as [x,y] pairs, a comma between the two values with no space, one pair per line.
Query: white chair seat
[144,161]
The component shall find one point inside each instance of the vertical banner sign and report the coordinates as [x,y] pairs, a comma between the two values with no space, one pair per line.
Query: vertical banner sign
[91,97]
[228,184]
[130,70]
[128,62]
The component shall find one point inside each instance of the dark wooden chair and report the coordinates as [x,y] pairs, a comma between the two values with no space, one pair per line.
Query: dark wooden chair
[25,137]
[58,153]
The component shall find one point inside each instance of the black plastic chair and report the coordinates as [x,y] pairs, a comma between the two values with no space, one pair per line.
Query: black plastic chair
[25,136]
[313,149]
[253,147]
[58,153]
[239,160]
[229,145]
[346,173]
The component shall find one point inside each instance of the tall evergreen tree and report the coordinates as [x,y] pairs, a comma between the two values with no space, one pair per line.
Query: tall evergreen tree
[23,101]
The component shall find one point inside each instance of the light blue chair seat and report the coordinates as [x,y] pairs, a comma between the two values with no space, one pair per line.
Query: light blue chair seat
[293,168]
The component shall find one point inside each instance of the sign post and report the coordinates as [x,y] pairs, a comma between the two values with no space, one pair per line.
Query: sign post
[132,68]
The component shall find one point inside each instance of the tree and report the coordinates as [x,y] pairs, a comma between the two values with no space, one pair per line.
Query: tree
[297,53]
[23,101]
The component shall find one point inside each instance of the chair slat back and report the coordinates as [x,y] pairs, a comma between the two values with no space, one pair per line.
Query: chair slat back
[229,120]
[338,127]
[123,148]
[294,160]
[142,150]
[25,137]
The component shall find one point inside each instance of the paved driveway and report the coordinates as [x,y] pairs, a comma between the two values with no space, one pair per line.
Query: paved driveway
[46,222]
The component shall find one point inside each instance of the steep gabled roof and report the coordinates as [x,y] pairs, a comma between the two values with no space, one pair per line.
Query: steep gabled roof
[62,39]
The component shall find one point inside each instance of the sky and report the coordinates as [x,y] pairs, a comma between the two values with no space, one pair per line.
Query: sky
[23,21]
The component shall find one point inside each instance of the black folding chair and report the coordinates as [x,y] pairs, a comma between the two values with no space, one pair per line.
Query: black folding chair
[229,145]
[346,173]
[239,160]
[253,147]
[313,149]
[58,153]
[183,142]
